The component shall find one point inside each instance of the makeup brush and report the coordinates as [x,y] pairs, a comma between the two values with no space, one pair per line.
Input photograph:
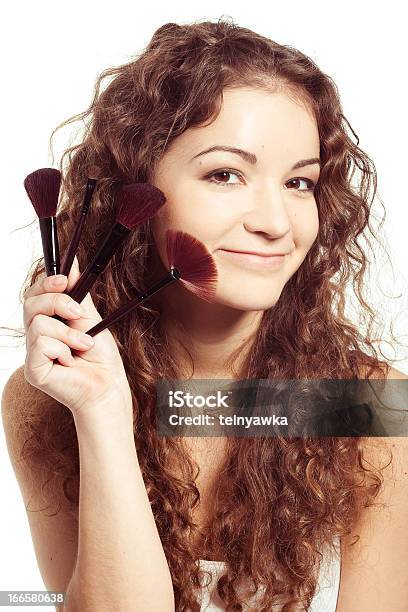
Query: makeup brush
[73,245]
[42,187]
[189,261]
[137,202]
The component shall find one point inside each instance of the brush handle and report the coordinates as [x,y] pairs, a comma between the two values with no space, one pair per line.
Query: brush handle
[99,262]
[121,312]
[73,245]
[97,265]
[80,290]
[49,239]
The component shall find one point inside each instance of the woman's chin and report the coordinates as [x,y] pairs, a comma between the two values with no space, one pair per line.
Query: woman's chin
[246,303]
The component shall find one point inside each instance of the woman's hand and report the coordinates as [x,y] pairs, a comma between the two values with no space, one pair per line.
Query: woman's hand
[95,375]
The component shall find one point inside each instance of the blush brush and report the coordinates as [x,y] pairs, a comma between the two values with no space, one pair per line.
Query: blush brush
[189,261]
[42,187]
[136,202]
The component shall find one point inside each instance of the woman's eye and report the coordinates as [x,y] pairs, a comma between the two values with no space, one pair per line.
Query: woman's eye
[221,177]
[310,184]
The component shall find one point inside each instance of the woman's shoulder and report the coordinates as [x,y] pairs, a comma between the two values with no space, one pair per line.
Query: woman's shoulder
[370,368]
[19,392]
[54,532]
[37,430]
[372,568]
[21,403]
[18,400]
[393,373]
[26,410]
[376,447]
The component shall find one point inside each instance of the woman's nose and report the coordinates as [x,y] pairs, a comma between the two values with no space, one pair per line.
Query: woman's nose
[268,213]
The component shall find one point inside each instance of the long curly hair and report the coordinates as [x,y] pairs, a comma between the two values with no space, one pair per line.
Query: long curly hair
[300,494]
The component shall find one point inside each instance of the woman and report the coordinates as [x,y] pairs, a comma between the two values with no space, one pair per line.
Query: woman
[247,140]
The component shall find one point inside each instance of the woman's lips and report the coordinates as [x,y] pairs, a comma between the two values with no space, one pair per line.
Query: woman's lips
[253,261]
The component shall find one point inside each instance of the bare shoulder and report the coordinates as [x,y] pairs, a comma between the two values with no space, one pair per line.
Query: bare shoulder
[20,403]
[373,569]
[396,374]
[375,447]
[25,408]
[54,534]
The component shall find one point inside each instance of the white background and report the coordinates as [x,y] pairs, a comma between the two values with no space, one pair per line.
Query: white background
[51,54]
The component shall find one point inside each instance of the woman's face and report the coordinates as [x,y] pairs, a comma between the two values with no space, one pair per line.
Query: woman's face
[250,200]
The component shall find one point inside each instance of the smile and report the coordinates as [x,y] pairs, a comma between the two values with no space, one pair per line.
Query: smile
[252,260]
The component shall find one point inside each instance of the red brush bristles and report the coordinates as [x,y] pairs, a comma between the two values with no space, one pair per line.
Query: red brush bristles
[190,262]
[137,203]
[42,187]
[194,262]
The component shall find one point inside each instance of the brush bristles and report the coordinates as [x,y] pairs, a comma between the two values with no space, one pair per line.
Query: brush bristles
[137,203]
[194,262]
[42,187]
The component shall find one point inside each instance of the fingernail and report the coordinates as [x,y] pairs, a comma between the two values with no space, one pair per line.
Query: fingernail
[87,340]
[58,279]
[75,308]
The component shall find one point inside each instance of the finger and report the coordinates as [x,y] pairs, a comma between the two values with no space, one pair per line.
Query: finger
[40,359]
[90,315]
[51,304]
[47,284]
[43,325]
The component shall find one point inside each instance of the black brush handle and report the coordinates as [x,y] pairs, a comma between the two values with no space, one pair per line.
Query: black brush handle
[97,265]
[121,312]
[49,239]
[73,245]
[99,262]
[81,289]
[83,286]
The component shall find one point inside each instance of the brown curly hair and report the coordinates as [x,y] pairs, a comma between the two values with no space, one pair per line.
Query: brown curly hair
[299,493]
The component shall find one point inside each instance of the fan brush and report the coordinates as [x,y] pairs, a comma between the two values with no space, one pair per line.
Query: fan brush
[189,261]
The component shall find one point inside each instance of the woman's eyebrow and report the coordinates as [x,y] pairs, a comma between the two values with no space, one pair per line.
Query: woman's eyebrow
[251,157]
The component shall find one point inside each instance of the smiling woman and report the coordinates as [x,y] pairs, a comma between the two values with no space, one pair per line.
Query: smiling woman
[248,142]
[263,212]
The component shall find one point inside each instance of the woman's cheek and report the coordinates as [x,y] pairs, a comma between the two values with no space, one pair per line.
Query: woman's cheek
[305,226]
